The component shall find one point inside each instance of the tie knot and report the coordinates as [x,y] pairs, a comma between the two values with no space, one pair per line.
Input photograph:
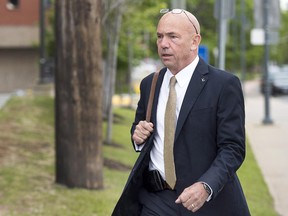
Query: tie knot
[173,81]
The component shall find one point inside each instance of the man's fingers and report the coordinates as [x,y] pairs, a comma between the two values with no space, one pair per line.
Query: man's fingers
[142,131]
[146,126]
[192,197]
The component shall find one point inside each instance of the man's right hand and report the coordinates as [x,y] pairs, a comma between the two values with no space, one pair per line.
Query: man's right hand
[142,131]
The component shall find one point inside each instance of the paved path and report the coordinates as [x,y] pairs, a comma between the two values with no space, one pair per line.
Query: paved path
[269,143]
[3,99]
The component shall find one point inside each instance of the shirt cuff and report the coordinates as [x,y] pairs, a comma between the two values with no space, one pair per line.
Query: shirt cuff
[210,196]
[138,148]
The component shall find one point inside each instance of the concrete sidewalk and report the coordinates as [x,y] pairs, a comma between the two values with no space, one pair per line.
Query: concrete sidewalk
[269,143]
[3,98]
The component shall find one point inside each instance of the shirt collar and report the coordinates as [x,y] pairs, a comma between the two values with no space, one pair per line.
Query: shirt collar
[184,75]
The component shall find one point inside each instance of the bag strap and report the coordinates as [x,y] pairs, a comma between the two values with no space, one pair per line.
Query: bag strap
[151,96]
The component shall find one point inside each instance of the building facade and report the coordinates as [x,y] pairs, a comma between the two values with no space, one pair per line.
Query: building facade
[19,42]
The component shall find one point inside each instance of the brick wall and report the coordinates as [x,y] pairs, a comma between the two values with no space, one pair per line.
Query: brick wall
[26,14]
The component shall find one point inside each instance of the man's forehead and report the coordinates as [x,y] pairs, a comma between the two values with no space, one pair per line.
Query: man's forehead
[173,24]
[172,17]
[173,21]
[183,19]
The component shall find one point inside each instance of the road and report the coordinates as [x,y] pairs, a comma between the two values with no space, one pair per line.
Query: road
[269,143]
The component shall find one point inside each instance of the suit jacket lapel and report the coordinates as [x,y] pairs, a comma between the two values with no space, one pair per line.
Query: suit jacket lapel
[197,83]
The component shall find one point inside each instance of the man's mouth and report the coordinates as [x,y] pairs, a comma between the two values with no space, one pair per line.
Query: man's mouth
[166,55]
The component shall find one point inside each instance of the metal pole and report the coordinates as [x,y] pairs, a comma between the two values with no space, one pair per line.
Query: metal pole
[130,66]
[42,56]
[267,119]
[222,36]
[178,4]
[243,42]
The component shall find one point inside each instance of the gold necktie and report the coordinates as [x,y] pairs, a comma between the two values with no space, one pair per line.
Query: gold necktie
[169,133]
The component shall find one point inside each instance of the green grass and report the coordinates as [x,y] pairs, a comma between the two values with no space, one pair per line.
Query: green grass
[258,197]
[27,184]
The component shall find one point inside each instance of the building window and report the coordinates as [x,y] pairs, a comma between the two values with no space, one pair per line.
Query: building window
[12,4]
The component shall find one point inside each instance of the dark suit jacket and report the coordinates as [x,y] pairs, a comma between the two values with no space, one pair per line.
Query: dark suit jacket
[209,142]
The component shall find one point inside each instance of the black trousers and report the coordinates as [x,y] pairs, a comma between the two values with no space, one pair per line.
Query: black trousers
[159,203]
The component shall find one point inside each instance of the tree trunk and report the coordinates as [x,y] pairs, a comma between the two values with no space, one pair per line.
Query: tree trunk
[78,79]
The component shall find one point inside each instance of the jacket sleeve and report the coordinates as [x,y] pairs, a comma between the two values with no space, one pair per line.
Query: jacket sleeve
[230,137]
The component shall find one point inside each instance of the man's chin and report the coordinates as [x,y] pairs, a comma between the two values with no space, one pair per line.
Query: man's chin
[167,63]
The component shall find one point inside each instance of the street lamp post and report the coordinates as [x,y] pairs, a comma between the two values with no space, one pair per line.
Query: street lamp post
[267,119]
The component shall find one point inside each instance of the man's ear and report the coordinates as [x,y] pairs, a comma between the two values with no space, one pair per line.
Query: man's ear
[195,42]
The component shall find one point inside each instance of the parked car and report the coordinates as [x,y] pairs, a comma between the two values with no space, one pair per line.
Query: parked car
[278,80]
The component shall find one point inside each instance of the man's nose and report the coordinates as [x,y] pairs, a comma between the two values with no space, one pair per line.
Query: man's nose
[164,43]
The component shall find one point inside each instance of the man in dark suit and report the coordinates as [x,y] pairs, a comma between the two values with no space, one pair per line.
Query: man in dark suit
[208,140]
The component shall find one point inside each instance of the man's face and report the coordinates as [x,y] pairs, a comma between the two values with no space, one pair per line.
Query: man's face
[176,41]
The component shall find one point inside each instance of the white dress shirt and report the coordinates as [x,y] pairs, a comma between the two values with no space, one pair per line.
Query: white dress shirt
[183,78]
